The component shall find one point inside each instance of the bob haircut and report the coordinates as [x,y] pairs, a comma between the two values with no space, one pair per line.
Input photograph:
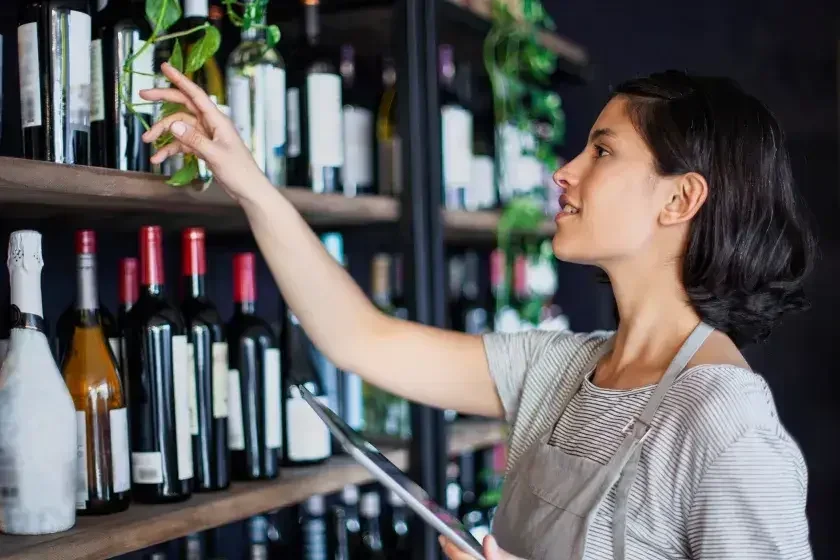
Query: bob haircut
[750,247]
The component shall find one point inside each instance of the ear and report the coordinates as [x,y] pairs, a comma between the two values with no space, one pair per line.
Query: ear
[687,196]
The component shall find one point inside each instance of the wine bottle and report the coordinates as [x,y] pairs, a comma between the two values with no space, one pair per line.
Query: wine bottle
[456,135]
[255,409]
[316,143]
[92,376]
[396,538]
[369,510]
[350,505]
[256,90]
[55,74]
[357,119]
[129,288]
[257,538]
[120,33]
[209,374]
[306,439]
[338,542]
[388,145]
[68,320]
[473,316]
[313,527]
[37,465]
[158,379]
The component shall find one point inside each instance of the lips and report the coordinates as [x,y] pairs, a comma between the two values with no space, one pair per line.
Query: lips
[566,207]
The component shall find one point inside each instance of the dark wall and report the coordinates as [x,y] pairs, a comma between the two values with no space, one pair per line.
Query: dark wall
[786,54]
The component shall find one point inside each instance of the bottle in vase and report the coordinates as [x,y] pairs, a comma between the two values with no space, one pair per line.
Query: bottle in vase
[254,396]
[92,376]
[157,355]
[54,70]
[38,471]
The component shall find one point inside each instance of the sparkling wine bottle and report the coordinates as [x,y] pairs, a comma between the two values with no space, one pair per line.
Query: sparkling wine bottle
[37,417]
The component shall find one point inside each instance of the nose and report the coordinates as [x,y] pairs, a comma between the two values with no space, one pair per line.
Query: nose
[564,177]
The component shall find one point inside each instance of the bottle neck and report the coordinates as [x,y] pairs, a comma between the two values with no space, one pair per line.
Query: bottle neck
[25,290]
[245,307]
[312,25]
[87,291]
[152,289]
[194,286]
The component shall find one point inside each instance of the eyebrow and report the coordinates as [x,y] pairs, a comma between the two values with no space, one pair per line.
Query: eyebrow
[600,133]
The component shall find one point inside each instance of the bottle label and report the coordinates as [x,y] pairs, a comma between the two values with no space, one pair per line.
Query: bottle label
[147,467]
[457,138]
[220,380]
[273,422]
[120,465]
[236,428]
[181,377]
[323,109]
[358,147]
[143,69]
[196,8]
[78,59]
[239,98]
[275,132]
[29,69]
[81,461]
[293,126]
[97,82]
[308,437]
[193,394]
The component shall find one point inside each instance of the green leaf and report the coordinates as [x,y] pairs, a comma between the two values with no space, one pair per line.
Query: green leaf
[203,49]
[163,140]
[169,108]
[176,59]
[272,35]
[162,14]
[187,174]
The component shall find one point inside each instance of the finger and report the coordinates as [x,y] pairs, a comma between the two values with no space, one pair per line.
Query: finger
[194,138]
[163,125]
[205,106]
[493,552]
[168,151]
[453,552]
[171,95]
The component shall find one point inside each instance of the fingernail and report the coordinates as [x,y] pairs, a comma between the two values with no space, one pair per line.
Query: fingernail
[178,128]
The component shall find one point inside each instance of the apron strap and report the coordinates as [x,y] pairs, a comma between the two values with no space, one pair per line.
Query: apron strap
[641,430]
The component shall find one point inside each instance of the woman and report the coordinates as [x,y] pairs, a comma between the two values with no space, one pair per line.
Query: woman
[655,441]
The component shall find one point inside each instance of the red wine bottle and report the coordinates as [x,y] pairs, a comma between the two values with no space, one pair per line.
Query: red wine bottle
[209,352]
[120,30]
[128,290]
[158,380]
[54,71]
[254,404]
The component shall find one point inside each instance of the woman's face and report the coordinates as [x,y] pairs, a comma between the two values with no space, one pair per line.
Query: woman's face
[614,194]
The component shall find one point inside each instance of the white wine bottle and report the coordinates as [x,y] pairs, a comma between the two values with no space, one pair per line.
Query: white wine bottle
[37,417]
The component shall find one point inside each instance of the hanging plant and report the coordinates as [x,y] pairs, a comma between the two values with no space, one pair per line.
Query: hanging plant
[162,15]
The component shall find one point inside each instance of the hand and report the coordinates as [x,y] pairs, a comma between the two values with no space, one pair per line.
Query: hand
[491,550]
[204,131]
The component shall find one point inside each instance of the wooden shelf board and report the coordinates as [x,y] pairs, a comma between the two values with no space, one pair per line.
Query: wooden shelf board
[95,538]
[476,226]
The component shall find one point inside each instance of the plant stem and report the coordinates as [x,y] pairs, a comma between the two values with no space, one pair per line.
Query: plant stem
[168,36]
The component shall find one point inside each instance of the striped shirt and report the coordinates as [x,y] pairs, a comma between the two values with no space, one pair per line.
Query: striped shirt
[719,477]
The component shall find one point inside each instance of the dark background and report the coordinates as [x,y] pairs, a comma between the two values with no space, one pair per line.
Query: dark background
[786,53]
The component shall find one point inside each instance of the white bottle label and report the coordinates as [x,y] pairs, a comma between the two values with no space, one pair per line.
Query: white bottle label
[323,108]
[81,461]
[97,82]
[78,111]
[120,465]
[482,191]
[143,69]
[195,8]
[193,402]
[220,380]
[358,147]
[236,427]
[180,371]
[293,125]
[457,129]
[239,98]
[273,422]
[308,437]
[354,413]
[29,70]
[147,467]
[275,127]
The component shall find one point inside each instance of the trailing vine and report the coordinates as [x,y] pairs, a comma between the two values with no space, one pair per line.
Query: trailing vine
[162,15]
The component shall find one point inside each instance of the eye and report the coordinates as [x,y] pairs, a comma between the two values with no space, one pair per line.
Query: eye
[600,151]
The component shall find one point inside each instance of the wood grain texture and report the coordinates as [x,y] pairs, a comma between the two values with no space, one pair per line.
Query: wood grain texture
[99,538]
[461,226]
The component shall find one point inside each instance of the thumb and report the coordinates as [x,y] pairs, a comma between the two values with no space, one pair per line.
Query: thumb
[191,137]
[493,552]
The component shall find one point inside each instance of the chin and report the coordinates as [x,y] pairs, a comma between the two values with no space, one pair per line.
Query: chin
[571,251]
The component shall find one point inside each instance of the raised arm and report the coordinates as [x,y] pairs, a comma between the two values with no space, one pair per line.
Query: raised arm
[432,366]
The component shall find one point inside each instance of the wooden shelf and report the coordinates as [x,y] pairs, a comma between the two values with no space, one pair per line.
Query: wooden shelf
[461,226]
[95,538]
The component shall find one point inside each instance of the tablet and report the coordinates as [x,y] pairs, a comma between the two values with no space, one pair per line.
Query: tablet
[394,479]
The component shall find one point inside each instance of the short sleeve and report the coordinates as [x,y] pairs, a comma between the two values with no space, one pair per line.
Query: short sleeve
[510,356]
[750,502]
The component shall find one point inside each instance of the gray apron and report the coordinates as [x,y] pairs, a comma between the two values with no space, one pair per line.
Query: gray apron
[550,498]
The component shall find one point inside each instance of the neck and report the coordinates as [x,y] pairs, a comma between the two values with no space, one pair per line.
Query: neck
[655,318]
